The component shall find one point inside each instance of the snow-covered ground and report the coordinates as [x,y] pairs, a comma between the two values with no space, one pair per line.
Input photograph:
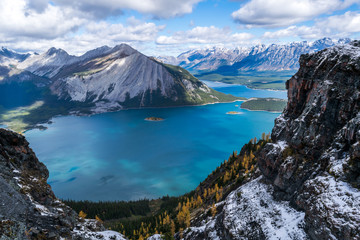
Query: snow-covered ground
[250,212]
[253,202]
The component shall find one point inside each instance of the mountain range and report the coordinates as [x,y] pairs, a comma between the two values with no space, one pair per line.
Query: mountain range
[274,57]
[101,80]
[302,183]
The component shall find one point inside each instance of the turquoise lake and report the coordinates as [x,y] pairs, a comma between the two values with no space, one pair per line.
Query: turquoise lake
[120,156]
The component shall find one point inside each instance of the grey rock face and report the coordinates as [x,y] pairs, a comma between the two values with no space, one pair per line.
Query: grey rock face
[110,79]
[309,188]
[318,169]
[28,207]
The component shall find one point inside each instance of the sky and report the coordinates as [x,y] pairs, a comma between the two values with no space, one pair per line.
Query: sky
[170,27]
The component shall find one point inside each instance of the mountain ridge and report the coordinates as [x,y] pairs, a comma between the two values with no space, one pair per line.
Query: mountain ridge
[101,80]
[114,75]
[274,57]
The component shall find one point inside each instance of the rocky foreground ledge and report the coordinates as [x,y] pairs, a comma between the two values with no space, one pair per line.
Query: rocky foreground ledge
[28,207]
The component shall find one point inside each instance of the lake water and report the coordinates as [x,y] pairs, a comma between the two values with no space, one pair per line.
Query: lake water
[120,156]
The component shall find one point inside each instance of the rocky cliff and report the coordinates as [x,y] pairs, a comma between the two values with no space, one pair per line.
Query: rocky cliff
[28,207]
[307,184]
[318,170]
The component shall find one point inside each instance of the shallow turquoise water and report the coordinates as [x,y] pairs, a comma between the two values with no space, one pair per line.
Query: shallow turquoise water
[120,156]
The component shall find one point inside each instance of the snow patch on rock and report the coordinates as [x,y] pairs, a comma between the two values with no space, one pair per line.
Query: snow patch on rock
[253,202]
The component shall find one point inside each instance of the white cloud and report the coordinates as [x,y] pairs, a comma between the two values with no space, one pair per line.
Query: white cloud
[347,23]
[279,13]
[334,26]
[112,34]
[156,8]
[204,35]
[95,34]
[304,32]
[51,19]
[17,19]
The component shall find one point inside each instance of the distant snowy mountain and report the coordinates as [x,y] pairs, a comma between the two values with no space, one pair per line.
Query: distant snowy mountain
[260,57]
[48,63]
[9,55]
[9,59]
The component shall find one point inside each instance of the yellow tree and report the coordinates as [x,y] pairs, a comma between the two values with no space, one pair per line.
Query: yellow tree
[172,227]
[213,210]
[82,214]
[205,193]
[98,219]
[199,201]
[267,137]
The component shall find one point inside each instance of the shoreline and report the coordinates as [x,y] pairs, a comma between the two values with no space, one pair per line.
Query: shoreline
[50,121]
[252,88]
[261,110]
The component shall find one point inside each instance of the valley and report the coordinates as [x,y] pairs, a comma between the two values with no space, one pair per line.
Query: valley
[179,120]
[101,80]
[278,185]
[195,138]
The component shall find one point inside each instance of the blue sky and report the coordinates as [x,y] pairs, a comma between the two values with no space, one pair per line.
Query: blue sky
[169,27]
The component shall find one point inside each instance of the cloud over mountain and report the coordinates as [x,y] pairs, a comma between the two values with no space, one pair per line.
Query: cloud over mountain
[279,13]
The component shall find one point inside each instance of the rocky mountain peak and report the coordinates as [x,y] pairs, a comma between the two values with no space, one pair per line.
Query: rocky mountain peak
[124,49]
[7,53]
[54,50]
[95,52]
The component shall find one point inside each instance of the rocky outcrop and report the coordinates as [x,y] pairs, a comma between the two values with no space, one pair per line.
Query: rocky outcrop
[317,169]
[28,207]
[310,183]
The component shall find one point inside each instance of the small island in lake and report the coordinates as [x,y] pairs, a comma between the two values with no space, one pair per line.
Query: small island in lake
[154,119]
[264,104]
[234,113]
